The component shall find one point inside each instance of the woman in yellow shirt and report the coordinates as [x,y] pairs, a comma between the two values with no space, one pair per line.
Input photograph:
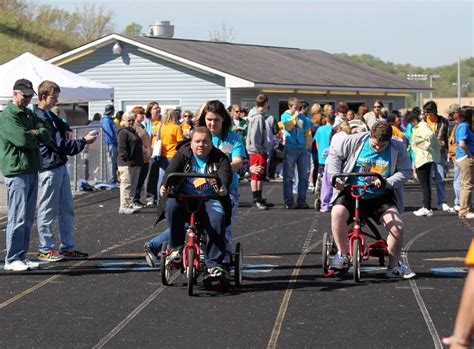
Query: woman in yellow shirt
[170,133]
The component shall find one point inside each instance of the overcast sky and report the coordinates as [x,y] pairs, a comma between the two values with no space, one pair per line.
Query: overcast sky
[425,33]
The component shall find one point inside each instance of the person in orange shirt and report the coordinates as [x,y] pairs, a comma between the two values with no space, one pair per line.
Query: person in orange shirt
[463,333]
[187,125]
[170,133]
[151,124]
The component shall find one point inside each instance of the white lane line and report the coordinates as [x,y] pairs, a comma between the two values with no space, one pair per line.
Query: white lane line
[289,290]
[132,315]
[416,290]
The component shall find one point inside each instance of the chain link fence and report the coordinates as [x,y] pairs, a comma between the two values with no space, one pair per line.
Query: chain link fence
[90,165]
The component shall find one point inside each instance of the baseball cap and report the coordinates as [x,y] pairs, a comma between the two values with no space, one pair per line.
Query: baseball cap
[128,116]
[109,108]
[25,86]
[453,108]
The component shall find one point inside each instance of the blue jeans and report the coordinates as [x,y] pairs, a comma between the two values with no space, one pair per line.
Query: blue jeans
[439,175]
[162,162]
[457,184]
[55,202]
[22,191]
[212,218]
[300,159]
[112,153]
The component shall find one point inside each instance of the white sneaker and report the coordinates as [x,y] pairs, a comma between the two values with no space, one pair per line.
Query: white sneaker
[128,210]
[16,266]
[423,212]
[469,215]
[401,271]
[31,265]
[446,208]
[457,208]
[339,262]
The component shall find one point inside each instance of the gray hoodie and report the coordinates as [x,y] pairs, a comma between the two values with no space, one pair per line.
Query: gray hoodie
[257,139]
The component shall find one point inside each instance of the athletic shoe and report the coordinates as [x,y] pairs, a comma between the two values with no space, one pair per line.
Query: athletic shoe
[260,205]
[457,208]
[50,256]
[150,257]
[303,205]
[291,206]
[137,205]
[423,212]
[128,210]
[268,204]
[446,208]
[16,266]
[217,272]
[151,204]
[311,190]
[469,215]
[31,265]
[176,255]
[401,271]
[74,255]
[339,262]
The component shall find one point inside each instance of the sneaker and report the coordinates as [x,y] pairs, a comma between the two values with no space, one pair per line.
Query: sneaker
[291,206]
[176,255]
[457,208]
[16,266]
[31,265]
[469,215]
[446,208]
[50,256]
[217,272]
[150,257]
[268,204]
[151,203]
[339,262]
[400,271]
[128,210]
[137,205]
[74,254]
[303,205]
[311,190]
[423,212]
[260,205]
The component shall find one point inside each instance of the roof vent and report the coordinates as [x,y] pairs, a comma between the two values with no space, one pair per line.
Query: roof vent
[161,29]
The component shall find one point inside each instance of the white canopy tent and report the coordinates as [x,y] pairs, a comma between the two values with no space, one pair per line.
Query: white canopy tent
[74,88]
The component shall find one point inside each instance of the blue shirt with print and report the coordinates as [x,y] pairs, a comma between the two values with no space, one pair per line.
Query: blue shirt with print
[233,147]
[295,139]
[464,133]
[322,139]
[371,161]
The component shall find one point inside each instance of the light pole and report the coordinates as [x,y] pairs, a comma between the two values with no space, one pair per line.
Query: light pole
[432,76]
[417,77]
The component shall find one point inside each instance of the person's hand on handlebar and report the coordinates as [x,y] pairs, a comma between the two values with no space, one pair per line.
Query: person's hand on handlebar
[164,191]
[378,183]
[339,185]
[222,191]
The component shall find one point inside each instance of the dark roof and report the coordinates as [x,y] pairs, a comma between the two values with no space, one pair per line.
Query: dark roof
[279,65]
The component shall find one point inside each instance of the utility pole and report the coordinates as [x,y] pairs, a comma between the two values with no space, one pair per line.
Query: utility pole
[459,80]
[432,76]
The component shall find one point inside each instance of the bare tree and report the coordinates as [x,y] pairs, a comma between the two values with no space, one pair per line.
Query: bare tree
[222,33]
[93,22]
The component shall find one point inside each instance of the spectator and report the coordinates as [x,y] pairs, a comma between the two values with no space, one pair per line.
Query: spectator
[297,133]
[453,114]
[55,196]
[152,124]
[153,118]
[95,120]
[372,117]
[362,110]
[118,118]
[350,115]
[258,147]
[317,120]
[146,147]
[21,131]
[341,113]
[465,160]
[439,125]
[239,124]
[110,133]
[426,152]
[187,124]
[130,161]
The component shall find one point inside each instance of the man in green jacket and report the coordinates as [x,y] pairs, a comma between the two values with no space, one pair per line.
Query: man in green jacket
[21,131]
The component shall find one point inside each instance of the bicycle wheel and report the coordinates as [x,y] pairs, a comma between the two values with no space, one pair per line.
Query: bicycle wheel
[327,245]
[238,264]
[190,271]
[165,270]
[356,260]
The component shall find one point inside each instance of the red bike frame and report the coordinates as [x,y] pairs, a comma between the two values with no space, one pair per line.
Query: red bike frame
[357,231]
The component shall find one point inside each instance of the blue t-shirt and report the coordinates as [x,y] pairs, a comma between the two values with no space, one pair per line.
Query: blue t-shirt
[371,161]
[464,133]
[322,139]
[232,146]
[295,139]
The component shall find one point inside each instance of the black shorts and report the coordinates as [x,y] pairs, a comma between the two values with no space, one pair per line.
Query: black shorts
[372,208]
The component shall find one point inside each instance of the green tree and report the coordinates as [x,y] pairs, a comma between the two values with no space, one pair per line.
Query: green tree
[133,29]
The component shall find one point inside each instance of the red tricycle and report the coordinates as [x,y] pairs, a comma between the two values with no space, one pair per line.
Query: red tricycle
[357,242]
[192,263]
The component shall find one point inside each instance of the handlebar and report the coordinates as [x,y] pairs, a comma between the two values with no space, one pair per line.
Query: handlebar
[177,175]
[358,174]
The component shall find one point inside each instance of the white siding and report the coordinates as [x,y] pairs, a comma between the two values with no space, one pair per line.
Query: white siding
[138,76]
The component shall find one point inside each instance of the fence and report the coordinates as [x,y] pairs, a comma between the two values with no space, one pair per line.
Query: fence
[89,165]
